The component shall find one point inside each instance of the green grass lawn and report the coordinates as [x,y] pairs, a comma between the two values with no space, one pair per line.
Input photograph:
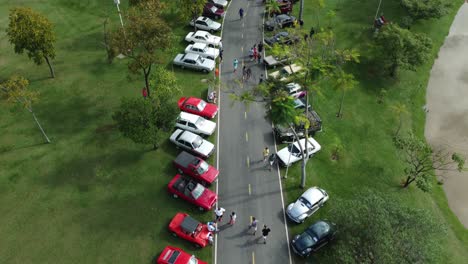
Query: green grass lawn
[91,196]
[95,197]
[369,158]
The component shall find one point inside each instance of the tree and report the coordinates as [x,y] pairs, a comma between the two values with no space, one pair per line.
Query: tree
[344,82]
[381,229]
[399,109]
[425,9]
[273,7]
[144,39]
[399,48]
[421,161]
[145,120]
[15,90]
[317,5]
[32,32]
[190,9]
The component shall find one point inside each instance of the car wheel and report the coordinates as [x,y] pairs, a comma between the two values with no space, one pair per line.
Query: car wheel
[205,71]
[192,42]
[197,246]
[217,17]
[201,208]
[174,234]
[212,31]
[175,196]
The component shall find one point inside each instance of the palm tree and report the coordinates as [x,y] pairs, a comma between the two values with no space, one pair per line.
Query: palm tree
[344,82]
[399,109]
[273,7]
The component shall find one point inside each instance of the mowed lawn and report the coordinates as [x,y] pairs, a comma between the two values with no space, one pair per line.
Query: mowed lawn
[91,196]
[369,158]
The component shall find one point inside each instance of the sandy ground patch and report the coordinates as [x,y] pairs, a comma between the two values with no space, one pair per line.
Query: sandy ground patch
[447,103]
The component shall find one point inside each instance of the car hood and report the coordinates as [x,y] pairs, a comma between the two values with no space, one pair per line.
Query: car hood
[208,63]
[207,199]
[214,39]
[210,110]
[297,209]
[205,148]
[208,127]
[178,57]
[211,175]
[215,25]
[212,51]
[284,156]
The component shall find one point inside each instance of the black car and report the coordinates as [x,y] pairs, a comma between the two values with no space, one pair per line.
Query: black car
[313,238]
[285,134]
[280,21]
[281,38]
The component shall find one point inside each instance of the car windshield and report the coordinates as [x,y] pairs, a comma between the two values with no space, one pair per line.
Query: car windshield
[306,241]
[197,142]
[202,168]
[193,260]
[294,150]
[209,22]
[319,229]
[200,122]
[305,202]
[197,192]
[201,105]
[214,9]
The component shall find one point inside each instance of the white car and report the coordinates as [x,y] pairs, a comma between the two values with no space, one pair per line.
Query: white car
[203,50]
[192,143]
[286,72]
[194,61]
[219,3]
[307,204]
[292,153]
[203,37]
[205,23]
[195,124]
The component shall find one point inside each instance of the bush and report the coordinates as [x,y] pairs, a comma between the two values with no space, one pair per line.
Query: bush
[424,9]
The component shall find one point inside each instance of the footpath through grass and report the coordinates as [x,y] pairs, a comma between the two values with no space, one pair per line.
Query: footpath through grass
[369,158]
[91,196]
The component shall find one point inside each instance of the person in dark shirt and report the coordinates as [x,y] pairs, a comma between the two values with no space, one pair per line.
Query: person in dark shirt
[265,232]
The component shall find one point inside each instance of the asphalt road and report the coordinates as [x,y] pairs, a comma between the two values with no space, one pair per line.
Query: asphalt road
[246,185]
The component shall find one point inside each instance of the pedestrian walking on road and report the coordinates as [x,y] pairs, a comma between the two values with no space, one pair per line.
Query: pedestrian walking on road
[220,45]
[235,63]
[241,13]
[260,80]
[253,225]
[210,238]
[244,73]
[260,47]
[251,53]
[259,58]
[232,221]
[266,153]
[249,73]
[219,212]
[221,55]
[255,56]
[265,232]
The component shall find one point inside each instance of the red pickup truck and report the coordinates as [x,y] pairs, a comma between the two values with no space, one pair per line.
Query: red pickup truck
[196,168]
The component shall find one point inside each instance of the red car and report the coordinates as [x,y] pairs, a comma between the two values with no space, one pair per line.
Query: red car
[198,107]
[196,168]
[186,227]
[211,11]
[192,192]
[173,255]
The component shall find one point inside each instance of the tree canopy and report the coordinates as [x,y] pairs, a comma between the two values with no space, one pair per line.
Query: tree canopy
[32,32]
[381,229]
[190,9]
[424,9]
[400,48]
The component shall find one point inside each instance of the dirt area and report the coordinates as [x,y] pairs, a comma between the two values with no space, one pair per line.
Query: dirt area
[447,105]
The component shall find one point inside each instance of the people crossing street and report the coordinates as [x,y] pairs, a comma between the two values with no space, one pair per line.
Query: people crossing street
[253,225]
[266,153]
[241,13]
[233,216]
[235,63]
[265,232]
[219,212]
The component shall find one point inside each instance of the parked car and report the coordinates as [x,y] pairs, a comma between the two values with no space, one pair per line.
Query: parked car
[194,61]
[300,103]
[184,226]
[192,142]
[203,50]
[285,134]
[173,255]
[285,73]
[309,202]
[205,23]
[292,153]
[281,38]
[195,124]
[203,37]
[192,192]
[197,106]
[219,3]
[295,90]
[272,62]
[195,167]
[316,236]
[280,21]
[211,11]
[285,7]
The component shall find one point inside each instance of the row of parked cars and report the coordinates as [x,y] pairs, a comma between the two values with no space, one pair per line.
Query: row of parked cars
[193,176]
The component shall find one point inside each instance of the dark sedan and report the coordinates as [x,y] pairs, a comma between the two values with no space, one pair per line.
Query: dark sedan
[281,38]
[313,238]
[280,21]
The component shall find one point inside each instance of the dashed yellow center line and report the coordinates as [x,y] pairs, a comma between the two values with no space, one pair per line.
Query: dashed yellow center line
[253,257]
[245,115]
[248,162]
[246,137]
[250,189]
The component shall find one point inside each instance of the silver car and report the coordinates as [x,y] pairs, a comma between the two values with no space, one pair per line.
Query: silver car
[307,204]
[194,61]
[203,50]
[204,23]
[195,124]
[192,142]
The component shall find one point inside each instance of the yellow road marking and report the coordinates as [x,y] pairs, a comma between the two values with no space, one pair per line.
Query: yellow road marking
[248,162]
[245,115]
[253,257]
[250,189]
[246,137]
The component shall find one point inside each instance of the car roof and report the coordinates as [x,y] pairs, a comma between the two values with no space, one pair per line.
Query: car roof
[199,45]
[314,143]
[320,228]
[282,34]
[295,68]
[203,18]
[192,56]
[189,117]
[292,87]
[188,136]
[193,100]
[313,195]
[282,17]
[200,32]
[189,224]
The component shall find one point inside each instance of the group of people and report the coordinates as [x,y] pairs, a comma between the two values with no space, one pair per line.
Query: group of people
[255,52]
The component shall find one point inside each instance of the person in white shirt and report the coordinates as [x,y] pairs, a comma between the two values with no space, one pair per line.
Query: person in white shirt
[219,212]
